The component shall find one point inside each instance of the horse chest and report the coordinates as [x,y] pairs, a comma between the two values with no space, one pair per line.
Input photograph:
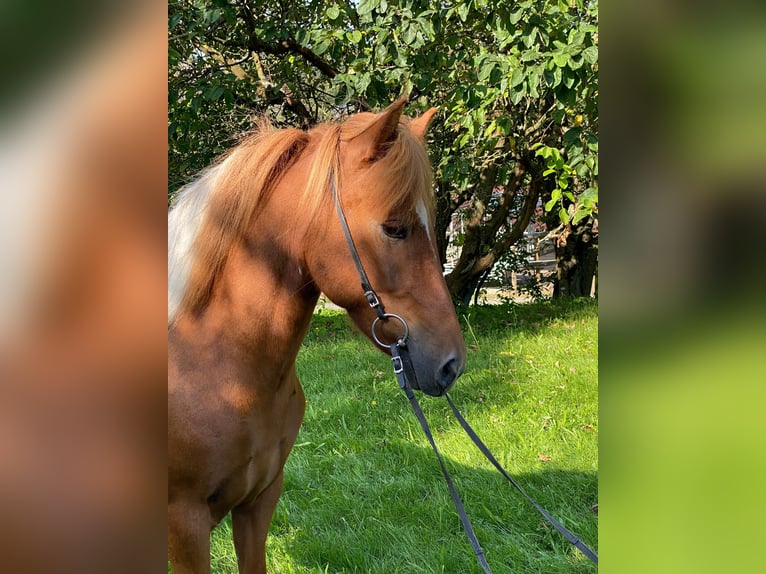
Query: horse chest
[258,443]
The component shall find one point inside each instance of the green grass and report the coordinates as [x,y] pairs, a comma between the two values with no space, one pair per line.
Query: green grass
[363,491]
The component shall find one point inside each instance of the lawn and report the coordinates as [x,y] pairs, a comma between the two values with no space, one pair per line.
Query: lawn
[363,491]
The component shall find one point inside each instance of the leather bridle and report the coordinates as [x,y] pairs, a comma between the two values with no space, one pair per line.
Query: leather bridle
[404,371]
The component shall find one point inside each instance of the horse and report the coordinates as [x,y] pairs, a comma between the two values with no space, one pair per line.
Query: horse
[252,243]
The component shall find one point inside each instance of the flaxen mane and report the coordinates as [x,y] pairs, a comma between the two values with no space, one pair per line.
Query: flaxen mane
[217,209]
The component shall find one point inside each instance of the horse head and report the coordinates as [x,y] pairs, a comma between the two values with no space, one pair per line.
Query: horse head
[378,168]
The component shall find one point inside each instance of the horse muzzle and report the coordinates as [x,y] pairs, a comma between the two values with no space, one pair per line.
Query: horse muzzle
[436,376]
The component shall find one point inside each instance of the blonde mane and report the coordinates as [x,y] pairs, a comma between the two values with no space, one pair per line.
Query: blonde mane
[218,208]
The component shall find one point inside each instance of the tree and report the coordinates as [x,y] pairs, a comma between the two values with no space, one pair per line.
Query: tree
[516,85]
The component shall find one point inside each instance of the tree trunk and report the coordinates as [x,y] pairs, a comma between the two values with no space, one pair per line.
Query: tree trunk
[486,242]
[462,287]
[576,261]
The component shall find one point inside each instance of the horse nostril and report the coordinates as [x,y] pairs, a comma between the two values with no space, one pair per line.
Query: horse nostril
[450,370]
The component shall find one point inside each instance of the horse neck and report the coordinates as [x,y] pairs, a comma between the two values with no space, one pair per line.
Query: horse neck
[263,299]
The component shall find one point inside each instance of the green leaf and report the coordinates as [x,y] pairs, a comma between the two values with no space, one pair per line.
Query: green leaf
[367,6]
[590,54]
[544,151]
[556,194]
[590,194]
[533,80]
[563,216]
[529,39]
[517,77]
[549,205]
[548,77]
[212,16]
[381,53]
[321,46]
[569,78]
[566,96]
[174,19]
[580,214]
[556,77]
[572,135]
[410,34]
[354,36]
[213,93]
[576,63]
[333,12]
[486,70]
[530,55]
[462,11]
[427,27]
[302,37]
[561,59]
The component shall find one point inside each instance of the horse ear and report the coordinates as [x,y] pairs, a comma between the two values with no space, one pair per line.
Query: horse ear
[419,125]
[382,130]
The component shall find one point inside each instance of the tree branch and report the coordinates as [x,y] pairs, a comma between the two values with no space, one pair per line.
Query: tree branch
[500,216]
[298,108]
[289,46]
[517,231]
[234,67]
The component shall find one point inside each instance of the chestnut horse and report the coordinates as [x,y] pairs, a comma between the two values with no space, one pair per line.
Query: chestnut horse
[252,243]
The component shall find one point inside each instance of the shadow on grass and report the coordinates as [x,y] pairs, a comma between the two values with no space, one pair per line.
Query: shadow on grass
[372,516]
[369,516]
[369,501]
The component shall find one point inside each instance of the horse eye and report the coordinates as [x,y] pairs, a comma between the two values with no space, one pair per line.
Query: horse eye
[395,230]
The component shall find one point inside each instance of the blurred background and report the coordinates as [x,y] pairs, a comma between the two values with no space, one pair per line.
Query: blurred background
[83,171]
[683,150]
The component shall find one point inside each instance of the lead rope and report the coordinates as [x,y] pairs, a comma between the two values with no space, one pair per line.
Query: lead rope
[400,368]
[486,452]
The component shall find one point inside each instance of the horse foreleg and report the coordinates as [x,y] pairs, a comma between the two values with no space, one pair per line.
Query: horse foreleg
[189,539]
[250,523]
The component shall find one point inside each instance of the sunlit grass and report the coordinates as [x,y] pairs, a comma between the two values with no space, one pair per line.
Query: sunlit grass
[363,492]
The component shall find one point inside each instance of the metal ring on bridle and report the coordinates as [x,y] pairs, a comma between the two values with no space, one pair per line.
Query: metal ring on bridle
[387,316]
